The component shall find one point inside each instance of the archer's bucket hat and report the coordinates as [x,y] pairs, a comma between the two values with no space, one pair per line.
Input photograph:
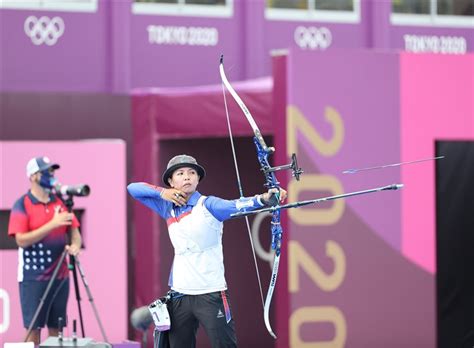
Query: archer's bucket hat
[181,161]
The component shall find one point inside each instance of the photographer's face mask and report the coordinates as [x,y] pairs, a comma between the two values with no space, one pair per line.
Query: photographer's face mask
[47,179]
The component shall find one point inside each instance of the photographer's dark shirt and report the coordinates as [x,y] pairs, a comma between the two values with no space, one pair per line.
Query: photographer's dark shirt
[38,261]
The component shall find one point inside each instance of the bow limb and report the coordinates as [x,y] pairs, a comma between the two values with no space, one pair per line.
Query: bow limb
[263,151]
[243,107]
[239,183]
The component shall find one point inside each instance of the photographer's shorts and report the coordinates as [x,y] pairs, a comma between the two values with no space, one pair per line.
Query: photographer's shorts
[31,292]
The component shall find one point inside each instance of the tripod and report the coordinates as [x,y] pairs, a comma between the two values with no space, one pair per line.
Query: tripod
[69,202]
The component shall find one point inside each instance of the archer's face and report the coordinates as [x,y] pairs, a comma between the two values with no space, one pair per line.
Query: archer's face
[185,179]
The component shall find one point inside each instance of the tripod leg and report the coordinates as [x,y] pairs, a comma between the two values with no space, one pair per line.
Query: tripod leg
[72,264]
[91,299]
[46,292]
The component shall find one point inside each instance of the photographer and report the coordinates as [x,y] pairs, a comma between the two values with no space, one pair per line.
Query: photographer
[39,222]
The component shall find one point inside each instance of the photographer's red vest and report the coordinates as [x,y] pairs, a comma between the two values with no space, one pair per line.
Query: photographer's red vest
[37,262]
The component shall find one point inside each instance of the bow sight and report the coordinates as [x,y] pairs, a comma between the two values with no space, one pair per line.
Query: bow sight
[262,153]
[295,170]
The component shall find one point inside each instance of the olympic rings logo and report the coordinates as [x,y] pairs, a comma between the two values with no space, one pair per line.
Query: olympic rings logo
[312,37]
[44,30]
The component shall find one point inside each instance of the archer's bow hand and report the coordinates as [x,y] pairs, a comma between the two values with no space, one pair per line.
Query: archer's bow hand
[273,196]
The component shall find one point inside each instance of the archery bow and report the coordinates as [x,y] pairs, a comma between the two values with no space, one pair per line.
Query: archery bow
[263,151]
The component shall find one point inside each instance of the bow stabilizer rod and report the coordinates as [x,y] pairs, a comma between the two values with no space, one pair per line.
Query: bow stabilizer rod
[318,200]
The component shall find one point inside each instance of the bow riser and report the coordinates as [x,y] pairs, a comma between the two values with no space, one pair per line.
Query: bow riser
[262,155]
[271,182]
[277,232]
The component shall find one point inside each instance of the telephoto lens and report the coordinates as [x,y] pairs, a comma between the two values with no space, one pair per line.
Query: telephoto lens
[81,190]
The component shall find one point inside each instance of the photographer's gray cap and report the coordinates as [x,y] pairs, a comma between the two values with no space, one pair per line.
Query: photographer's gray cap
[38,164]
[181,161]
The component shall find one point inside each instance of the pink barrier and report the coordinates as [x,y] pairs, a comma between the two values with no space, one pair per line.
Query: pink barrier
[436,104]
[101,165]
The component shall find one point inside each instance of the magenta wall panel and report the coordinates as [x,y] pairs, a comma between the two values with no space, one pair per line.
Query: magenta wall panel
[361,271]
[77,60]
[115,47]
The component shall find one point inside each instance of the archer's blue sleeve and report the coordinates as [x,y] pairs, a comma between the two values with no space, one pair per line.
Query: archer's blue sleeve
[221,209]
[150,196]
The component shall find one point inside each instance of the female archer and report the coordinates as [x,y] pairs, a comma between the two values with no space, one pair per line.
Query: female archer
[199,292]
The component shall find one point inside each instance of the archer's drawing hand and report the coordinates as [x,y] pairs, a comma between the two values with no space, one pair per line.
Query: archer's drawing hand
[174,196]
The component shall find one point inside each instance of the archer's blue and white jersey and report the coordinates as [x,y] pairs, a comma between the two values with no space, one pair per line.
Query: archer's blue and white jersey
[196,234]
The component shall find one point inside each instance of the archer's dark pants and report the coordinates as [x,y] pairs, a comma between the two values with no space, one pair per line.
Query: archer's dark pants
[212,311]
